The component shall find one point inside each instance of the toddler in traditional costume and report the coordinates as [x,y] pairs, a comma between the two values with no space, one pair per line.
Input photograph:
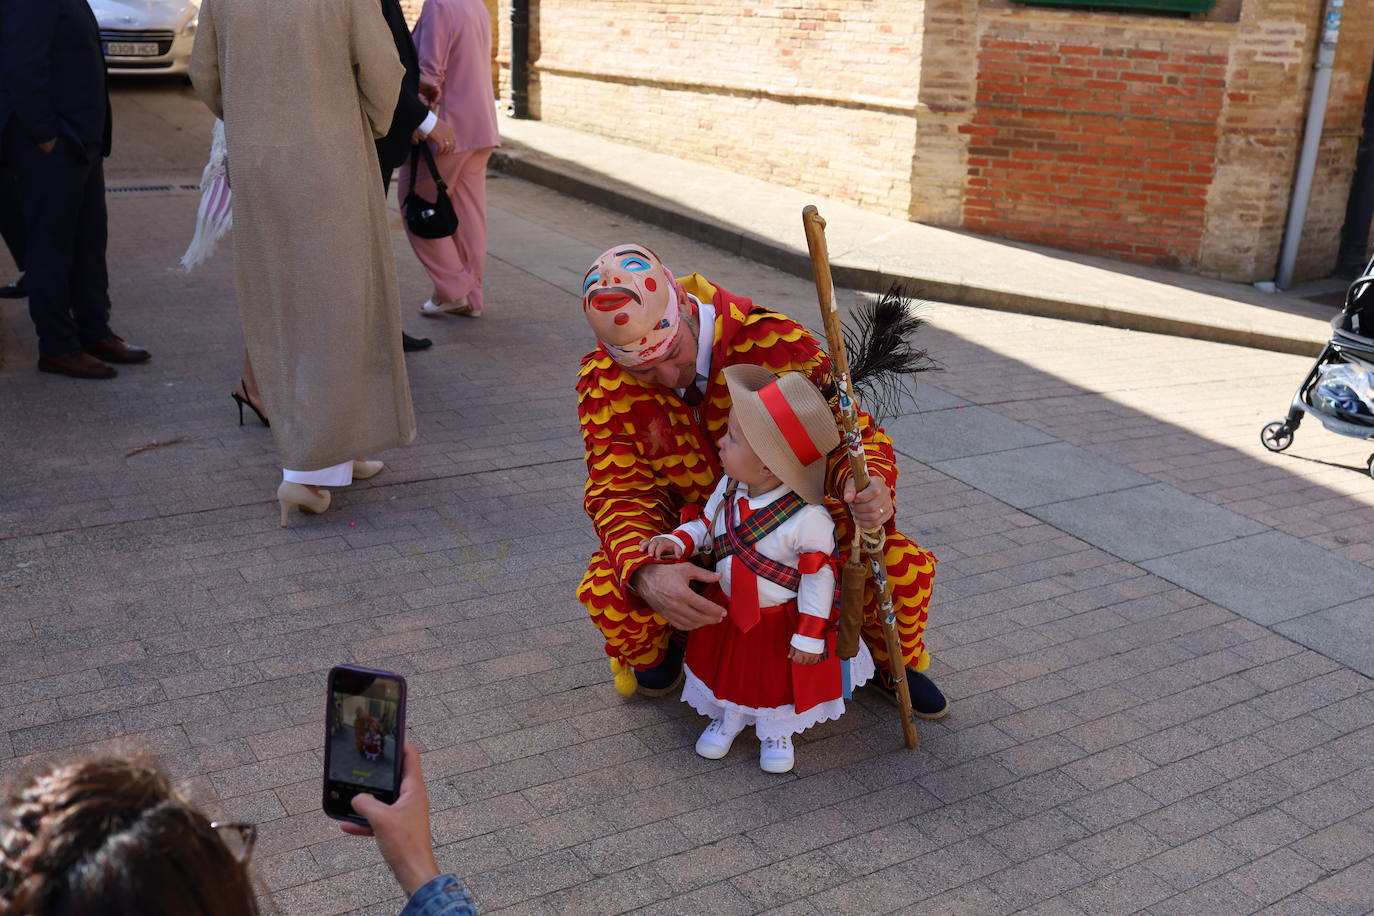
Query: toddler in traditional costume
[771,662]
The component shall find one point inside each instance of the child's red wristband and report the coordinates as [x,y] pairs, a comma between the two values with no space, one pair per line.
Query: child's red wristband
[812,627]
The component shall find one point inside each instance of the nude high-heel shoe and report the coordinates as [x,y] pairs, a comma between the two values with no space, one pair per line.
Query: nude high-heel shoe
[362,470]
[298,494]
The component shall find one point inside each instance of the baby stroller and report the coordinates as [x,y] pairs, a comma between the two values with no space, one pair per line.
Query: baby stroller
[1339,389]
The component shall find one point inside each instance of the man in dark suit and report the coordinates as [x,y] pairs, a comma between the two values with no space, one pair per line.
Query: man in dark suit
[12,228]
[56,123]
[411,121]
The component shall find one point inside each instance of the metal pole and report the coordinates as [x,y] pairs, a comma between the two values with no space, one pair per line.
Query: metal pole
[1311,140]
[519,106]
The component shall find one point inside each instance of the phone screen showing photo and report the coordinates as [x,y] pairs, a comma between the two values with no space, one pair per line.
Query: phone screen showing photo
[364,737]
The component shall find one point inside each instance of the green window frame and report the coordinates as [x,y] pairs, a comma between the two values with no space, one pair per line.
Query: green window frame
[1172,6]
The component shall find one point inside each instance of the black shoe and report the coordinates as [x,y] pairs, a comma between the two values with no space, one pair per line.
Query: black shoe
[411,344]
[666,675]
[242,401]
[15,290]
[927,702]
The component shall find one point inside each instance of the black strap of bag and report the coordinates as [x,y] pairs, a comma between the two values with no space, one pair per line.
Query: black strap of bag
[434,219]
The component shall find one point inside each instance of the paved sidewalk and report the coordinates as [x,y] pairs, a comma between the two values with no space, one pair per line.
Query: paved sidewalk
[1152,630]
[762,221]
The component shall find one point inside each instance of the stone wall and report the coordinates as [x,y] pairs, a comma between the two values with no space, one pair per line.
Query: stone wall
[1269,83]
[820,96]
[1159,139]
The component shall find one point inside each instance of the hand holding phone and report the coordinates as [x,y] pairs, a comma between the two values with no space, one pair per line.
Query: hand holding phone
[364,735]
[401,829]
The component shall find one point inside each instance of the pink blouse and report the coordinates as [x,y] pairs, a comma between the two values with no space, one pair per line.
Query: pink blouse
[453,38]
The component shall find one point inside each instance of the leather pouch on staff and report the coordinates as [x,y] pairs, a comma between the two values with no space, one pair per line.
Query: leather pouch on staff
[852,580]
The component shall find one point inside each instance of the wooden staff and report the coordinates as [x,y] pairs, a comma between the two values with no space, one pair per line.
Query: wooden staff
[869,541]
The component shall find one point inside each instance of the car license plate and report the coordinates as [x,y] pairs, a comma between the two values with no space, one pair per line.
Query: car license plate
[131,49]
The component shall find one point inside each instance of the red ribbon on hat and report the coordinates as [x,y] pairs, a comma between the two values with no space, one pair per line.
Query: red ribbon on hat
[791,427]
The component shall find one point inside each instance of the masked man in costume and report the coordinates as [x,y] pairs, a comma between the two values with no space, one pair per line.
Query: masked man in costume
[652,402]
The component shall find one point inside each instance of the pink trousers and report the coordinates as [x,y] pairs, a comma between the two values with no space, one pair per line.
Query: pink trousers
[455,264]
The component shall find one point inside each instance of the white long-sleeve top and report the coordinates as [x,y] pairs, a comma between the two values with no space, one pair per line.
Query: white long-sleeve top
[810,530]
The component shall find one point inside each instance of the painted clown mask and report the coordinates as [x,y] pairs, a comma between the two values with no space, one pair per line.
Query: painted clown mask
[630,301]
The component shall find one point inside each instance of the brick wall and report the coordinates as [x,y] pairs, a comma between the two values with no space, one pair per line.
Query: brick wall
[820,96]
[1155,139]
[1096,141]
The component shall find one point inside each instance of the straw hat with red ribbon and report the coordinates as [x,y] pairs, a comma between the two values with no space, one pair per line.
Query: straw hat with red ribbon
[788,425]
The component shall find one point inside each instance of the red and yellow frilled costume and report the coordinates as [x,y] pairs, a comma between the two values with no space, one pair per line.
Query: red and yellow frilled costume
[649,454]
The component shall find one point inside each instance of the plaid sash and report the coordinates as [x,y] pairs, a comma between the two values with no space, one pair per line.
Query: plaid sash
[739,539]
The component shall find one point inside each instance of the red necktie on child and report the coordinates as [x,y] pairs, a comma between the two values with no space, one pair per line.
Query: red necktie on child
[744,585]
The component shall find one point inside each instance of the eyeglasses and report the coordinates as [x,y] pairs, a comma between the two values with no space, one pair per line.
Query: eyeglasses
[237,837]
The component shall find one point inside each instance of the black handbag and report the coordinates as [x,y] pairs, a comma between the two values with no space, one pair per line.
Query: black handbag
[427,219]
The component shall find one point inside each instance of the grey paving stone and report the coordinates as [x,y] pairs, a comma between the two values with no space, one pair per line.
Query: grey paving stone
[1035,835]
[1122,892]
[627,849]
[1338,846]
[1037,475]
[797,878]
[1344,633]
[1142,523]
[1269,577]
[1045,876]
[1215,898]
[526,879]
[633,887]
[933,435]
[1195,862]
[1349,892]
[1275,876]
[1115,849]
[1099,710]
[720,898]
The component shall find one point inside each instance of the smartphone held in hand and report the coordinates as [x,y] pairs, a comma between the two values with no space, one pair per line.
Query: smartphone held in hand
[365,716]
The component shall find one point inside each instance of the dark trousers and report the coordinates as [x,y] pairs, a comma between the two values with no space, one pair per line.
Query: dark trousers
[63,195]
[12,215]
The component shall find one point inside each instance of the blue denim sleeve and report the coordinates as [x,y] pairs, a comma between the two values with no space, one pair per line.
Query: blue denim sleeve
[441,896]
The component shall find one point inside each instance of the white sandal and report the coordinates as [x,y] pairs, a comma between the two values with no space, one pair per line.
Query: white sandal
[431,309]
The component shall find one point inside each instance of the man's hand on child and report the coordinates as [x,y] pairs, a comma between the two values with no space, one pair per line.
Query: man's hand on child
[803,658]
[662,548]
[667,588]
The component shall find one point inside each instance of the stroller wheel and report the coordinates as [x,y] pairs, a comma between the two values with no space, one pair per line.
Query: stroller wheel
[1277,436]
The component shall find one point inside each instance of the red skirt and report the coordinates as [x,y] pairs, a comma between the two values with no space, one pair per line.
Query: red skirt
[752,669]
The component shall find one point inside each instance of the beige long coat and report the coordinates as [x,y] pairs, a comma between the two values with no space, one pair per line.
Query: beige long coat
[303,87]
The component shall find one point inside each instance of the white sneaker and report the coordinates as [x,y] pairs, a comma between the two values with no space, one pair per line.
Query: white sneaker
[775,755]
[715,742]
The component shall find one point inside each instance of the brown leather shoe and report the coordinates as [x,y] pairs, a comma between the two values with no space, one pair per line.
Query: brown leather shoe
[115,350]
[76,364]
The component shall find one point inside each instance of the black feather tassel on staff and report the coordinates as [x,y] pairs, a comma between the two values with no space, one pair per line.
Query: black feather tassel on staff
[882,351]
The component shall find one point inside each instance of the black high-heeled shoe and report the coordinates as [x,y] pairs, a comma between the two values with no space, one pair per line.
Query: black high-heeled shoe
[241,401]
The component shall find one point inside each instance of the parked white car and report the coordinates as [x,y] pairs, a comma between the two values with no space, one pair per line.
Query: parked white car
[147,36]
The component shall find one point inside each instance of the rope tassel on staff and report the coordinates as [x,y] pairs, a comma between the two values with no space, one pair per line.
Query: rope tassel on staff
[869,543]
